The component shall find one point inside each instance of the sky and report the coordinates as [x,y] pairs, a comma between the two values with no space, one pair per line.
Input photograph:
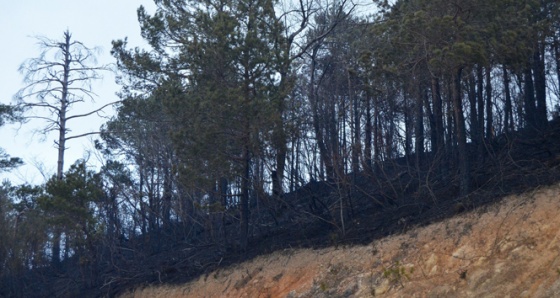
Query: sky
[94,23]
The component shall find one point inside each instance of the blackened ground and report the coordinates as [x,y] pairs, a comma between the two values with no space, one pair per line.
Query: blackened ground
[394,197]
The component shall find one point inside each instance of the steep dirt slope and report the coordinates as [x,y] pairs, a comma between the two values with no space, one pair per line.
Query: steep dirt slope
[507,250]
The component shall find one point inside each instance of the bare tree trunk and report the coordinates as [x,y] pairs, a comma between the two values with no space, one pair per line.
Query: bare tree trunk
[368,135]
[55,86]
[324,152]
[489,114]
[473,108]
[357,144]
[556,47]
[431,120]
[408,114]
[143,211]
[419,127]
[440,133]
[450,122]
[167,192]
[540,87]
[223,190]
[376,135]
[508,113]
[281,153]
[480,100]
[333,144]
[529,99]
[244,222]
[297,179]
[63,107]
[61,144]
[461,134]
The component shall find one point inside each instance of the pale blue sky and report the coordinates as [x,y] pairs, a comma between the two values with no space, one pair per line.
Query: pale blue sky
[96,24]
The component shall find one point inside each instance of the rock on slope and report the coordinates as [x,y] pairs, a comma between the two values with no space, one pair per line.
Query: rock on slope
[511,249]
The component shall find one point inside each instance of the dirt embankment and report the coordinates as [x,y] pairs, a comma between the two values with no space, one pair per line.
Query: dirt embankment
[507,250]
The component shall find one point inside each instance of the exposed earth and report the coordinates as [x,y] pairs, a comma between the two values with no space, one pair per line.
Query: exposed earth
[507,249]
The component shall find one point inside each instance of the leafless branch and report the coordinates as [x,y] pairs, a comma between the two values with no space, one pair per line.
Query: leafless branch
[83,135]
[94,111]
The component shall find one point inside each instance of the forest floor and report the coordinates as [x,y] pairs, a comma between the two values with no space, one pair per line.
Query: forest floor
[507,249]
[502,239]
[402,230]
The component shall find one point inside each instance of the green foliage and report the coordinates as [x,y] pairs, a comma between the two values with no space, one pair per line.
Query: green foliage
[223,99]
[70,204]
[213,69]
[397,273]
[442,37]
[7,163]
[9,113]
[22,228]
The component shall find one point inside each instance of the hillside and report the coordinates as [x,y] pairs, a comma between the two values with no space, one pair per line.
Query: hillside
[426,239]
[509,249]
[305,244]
[244,129]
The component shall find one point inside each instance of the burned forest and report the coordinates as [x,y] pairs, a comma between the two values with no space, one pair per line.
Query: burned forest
[252,126]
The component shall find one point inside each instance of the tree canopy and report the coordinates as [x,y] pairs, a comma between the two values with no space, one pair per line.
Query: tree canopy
[246,118]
